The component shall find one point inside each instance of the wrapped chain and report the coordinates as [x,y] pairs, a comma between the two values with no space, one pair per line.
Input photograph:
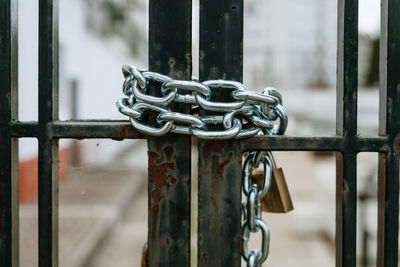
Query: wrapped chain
[247,115]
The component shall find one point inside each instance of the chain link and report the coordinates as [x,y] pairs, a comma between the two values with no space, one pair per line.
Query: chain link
[251,207]
[248,113]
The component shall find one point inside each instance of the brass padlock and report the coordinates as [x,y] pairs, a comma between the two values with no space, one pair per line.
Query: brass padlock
[277,199]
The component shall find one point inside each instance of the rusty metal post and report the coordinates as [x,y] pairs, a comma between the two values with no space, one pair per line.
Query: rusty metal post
[221,44]
[169,156]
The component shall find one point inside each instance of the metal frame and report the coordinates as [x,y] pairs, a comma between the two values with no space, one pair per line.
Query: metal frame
[220,57]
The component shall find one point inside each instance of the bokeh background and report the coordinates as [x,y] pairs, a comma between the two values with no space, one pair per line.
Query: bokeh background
[290,45]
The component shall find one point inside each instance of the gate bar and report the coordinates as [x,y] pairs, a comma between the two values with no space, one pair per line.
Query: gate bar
[48,147]
[220,178]
[389,125]
[346,126]
[170,44]
[120,130]
[9,206]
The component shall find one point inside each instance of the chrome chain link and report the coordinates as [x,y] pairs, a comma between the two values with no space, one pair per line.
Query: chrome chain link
[251,207]
[248,114]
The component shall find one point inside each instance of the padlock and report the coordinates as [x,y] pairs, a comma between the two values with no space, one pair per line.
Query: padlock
[277,199]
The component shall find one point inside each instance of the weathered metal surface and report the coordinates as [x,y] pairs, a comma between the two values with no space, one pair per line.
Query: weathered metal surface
[219,225]
[169,156]
[346,125]
[9,223]
[312,143]
[48,147]
[389,126]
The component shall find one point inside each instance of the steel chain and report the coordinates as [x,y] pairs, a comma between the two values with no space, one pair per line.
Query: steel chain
[248,114]
[252,221]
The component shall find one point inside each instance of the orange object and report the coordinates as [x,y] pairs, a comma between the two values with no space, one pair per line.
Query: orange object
[28,175]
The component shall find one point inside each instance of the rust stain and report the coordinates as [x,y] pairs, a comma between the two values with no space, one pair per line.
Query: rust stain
[155,208]
[122,133]
[171,62]
[205,256]
[169,151]
[240,241]
[173,180]
[397,144]
[213,147]
[158,173]
[226,161]
[158,176]
[156,194]
[167,241]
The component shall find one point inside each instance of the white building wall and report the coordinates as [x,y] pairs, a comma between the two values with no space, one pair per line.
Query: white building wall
[291,43]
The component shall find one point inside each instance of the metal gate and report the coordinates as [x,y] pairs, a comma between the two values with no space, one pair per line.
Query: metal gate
[221,46]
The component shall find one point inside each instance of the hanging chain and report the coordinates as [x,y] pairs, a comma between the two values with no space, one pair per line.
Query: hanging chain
[251,207]
[247,115]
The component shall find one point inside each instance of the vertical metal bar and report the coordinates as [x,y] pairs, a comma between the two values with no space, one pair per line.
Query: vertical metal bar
[9,217]
[389,125]
[75,155]
[169,156]
[48,147]
[346,125]
[221,50]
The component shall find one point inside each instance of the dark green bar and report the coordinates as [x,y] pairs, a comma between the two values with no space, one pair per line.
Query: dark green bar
[219,212]
[170,44]
[48,147]
[389,126]
[346,126]
[9,220]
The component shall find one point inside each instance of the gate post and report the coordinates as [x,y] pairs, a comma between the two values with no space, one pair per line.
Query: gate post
[9,206]
[219,225]
[346,126]
[169,156]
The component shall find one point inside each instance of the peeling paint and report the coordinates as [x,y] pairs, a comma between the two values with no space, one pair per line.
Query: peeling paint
[159,176]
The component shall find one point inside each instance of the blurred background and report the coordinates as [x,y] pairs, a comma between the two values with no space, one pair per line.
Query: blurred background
[290,45]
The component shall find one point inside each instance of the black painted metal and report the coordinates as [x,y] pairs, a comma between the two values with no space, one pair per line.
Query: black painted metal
[219,210]
[9,224]
[389,126]
[219,162]
[346,125]
[48,147]
[170,43]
